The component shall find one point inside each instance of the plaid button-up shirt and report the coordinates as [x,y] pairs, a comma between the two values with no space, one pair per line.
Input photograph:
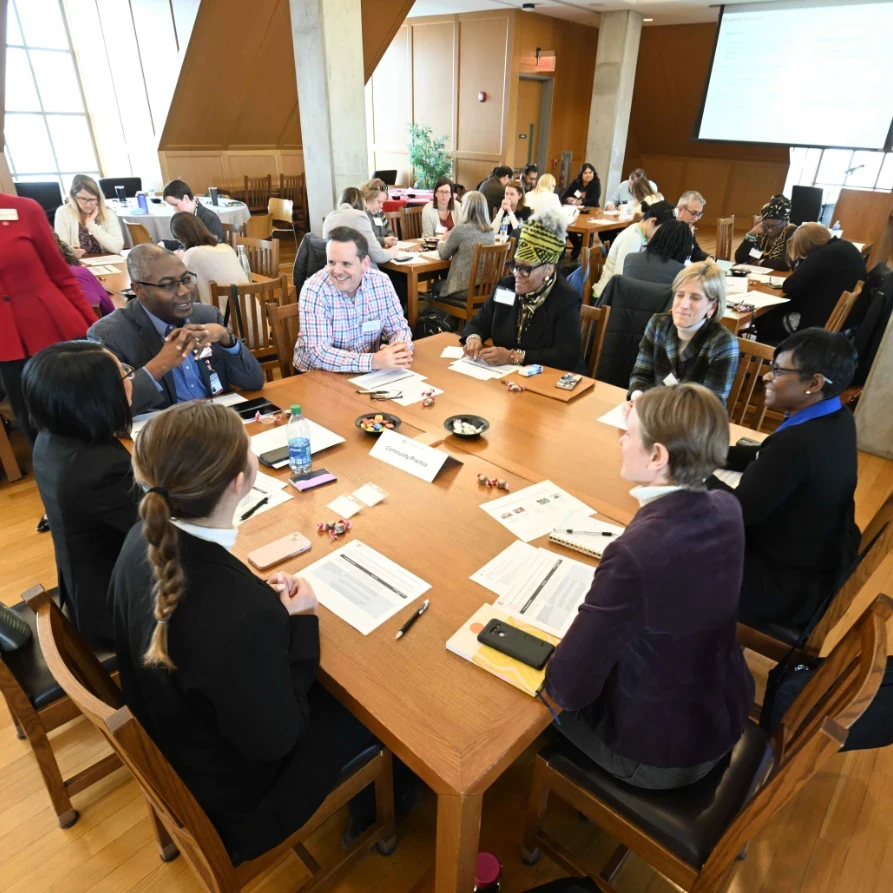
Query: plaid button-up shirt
[340,334]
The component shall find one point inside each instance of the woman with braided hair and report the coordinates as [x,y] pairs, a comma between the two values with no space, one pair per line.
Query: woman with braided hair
[218,665]
[766,245]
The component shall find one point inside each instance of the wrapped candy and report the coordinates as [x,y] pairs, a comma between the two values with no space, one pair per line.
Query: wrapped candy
[333,528]
[428,397]
[503,485]
[513,387]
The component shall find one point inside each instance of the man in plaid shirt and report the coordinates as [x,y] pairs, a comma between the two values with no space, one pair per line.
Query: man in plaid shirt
[347,310]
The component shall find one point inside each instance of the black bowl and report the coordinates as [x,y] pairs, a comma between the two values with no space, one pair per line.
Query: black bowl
[476,420]
[395,420]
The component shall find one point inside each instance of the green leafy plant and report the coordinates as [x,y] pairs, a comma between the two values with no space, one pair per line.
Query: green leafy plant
[428,156]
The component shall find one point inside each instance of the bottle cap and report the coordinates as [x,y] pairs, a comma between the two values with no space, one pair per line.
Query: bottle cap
[295,409]
[487,869]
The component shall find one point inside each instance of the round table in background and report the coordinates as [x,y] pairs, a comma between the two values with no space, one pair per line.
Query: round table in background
[158,220]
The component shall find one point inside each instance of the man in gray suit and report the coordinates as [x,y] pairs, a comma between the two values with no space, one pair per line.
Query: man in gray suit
[180,349]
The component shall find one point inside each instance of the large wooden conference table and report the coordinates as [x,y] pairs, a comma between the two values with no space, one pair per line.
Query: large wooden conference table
[455,725]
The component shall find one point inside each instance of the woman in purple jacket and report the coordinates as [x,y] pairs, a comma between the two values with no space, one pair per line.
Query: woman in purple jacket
[650,675]
[92,288]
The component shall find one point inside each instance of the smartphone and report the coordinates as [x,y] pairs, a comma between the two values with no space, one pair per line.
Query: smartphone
[568,381]
[516,643]
[250,408]
[274,458]
[279,550]
[310,479]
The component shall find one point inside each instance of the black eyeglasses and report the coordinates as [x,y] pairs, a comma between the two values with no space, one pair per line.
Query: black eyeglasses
[780,370]
[169,286]
[127,372]
[522,270]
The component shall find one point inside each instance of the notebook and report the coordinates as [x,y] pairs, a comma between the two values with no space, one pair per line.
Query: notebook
[465,643]
[584,542]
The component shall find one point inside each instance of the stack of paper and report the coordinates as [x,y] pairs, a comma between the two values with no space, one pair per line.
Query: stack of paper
[98,270]
[385,379]
[480,370]
[536,510]
[102,261]
[265,487]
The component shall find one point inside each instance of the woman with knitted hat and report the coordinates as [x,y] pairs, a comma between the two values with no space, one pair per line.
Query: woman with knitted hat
[766,244]
[533,315]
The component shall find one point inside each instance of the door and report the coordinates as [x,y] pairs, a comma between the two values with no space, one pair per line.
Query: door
[530,99]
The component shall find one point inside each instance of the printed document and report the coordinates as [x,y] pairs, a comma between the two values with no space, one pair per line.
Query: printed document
[536,510]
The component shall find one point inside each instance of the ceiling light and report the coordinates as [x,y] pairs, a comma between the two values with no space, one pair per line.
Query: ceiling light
[648,20]
[528,7]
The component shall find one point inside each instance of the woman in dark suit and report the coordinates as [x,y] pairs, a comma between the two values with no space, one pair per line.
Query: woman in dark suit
[650,675]
[534,315]
[586,192]
[78,397]
[797,488]
[218,665]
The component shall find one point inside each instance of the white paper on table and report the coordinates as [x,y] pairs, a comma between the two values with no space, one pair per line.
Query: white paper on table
[752,268]
[344,506]
[731,478]
[724,265]
[274,439]
[471,370]
[757,299]
[102,271]
[139,421]
[102,261]
[371,381]
[615,418]
[510,569]
[760,277]
[407,246]
[412,392]
[495,371]
[536,510]
[411,259]
[453,353]
[362,586]
[229,399]
[610,221]
[273,497]
[370,494]
[736,285]
[433,254]
[551,597]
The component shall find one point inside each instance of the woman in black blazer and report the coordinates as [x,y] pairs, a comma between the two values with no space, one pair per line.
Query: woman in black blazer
[218,665]
[78,397]
[797,489]
[534,315]
[586,192]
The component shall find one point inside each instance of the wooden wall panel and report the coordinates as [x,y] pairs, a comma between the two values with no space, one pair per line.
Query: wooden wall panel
[752,184]
[862,214]
[227,169]
[391,92]
[434,76]
[484,57]
[470,172]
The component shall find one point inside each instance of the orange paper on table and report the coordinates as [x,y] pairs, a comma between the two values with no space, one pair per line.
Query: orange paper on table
[465,644]
[544,384]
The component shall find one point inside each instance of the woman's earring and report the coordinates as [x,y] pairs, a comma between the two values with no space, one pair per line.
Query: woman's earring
[809,392]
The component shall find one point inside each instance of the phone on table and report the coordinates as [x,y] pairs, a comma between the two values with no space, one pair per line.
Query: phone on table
[279,550]
[568,381]
[250,408]
[274,458]
[514,642]
[310,479]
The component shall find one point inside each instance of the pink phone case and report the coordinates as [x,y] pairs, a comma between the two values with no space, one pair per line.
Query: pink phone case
[279,550]
[314,482]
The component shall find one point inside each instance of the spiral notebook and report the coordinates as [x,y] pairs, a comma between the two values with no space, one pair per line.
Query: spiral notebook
[589,543]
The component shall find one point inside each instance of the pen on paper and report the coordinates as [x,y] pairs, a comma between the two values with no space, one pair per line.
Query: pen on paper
[406,626]
[254,508]
[587,532]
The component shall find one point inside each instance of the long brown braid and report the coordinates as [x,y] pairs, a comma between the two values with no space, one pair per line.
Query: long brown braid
[185,457]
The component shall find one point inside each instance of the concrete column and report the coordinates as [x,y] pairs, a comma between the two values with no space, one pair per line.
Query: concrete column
[612,95]
[874,421]
[328,44]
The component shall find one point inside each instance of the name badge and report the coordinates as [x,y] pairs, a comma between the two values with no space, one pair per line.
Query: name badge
[204,354]
[216,387]
[756,253]
[671,379]
[504,296]
[9,214]
[372,327]
[379,221]
[577,193]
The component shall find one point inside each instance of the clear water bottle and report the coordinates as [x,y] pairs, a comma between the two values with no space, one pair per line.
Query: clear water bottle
[835,230]
[297,433]
[504,228]
[243,260]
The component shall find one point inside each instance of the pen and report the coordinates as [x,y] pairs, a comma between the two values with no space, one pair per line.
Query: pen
[254,508]
[589,532]
[405,628]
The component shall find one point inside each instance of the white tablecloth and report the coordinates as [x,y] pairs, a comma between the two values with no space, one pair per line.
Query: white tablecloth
[158,220]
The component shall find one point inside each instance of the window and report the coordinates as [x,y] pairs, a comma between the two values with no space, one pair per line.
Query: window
[48,135]
[834,169]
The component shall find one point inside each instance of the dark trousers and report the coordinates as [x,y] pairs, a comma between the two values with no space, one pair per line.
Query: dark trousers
[11,381]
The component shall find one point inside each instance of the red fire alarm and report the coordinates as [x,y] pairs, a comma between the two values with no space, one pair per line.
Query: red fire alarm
[482,97]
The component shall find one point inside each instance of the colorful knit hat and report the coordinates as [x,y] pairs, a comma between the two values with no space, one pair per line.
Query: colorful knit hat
[542,239]
[777,208]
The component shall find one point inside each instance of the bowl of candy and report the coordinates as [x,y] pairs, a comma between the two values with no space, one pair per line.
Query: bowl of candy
[467,426]
[375,422]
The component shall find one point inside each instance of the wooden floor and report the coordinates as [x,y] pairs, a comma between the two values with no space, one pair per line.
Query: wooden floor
[835,837]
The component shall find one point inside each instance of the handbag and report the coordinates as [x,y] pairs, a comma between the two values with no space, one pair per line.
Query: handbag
[14,630]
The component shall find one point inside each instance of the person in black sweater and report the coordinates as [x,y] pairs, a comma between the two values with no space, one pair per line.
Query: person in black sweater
[533,316]
[218,665]
[586,192]
[824,268]
[78,398]
[797,487]
[664,256]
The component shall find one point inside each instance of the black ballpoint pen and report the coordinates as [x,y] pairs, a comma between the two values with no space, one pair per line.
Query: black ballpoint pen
[254,508]
[405,628]
[588,532]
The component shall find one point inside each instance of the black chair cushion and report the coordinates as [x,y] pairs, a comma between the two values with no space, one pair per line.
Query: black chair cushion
[785,633]
[688,821]
[30,669]
[457,299]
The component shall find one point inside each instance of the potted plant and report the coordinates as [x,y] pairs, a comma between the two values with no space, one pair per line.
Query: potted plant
[428,156]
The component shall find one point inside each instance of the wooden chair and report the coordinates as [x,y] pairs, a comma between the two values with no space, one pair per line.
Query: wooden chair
[592,261]
[230,231]
[181,824]
[725,236]
[282,211]
[285,324]
[747,398]
[396,219]
[263,255]
[489,261]
[139,235]
[775,640]
[593,324]
[7,455]
[247,319]
[294,188]
[412,223]
[693,835]
[257,193]
[837,319]
[38,706]
[260,226]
